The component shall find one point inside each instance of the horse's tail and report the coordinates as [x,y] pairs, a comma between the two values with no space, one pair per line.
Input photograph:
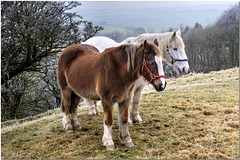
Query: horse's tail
[65,59]
[69,55]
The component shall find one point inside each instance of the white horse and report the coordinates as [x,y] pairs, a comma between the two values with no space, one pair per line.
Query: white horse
[173,49]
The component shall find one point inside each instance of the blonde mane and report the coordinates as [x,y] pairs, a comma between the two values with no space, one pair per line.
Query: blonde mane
[162,38]
[131,51]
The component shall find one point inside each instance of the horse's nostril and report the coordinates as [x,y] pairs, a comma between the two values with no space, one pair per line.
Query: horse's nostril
[161,87]
[185,69]
[179,70]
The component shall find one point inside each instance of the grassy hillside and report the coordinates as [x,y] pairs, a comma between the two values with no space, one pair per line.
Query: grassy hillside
[197,116]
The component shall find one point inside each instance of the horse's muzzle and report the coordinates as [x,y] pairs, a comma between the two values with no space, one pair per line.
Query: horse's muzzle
[183,70]
[160,87]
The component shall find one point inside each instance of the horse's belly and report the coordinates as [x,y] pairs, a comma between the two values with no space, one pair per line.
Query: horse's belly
[88,94]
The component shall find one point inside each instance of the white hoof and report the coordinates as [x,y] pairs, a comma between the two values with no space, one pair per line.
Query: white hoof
[67,126]
[110,147]
[92,112]
[108,143]
[76,125]
[136,118]
[98,111]
[130,121]
[127,142]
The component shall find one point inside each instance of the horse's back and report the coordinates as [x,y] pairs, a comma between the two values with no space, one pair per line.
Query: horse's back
[101,43]
[72,52]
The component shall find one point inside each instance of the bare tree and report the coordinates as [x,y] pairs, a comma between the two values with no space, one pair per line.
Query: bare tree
[214,47]
[32,30]
[32,34]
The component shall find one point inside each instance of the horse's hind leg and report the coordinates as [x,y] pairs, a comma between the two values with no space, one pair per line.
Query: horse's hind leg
[75,99]
[96,108]
[91,105]
[93,108]
[134,114]
[66,105]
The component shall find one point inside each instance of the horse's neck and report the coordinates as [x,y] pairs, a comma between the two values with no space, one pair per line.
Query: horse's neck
[127,72]
[161,37]
[163,41]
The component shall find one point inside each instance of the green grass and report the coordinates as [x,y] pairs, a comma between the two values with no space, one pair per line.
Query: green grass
[196,117]
[30,118]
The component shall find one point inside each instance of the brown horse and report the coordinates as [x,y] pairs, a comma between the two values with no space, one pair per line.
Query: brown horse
[109,77]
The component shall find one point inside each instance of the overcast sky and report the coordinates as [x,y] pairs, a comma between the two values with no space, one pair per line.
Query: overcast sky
[124,12]
[152,4]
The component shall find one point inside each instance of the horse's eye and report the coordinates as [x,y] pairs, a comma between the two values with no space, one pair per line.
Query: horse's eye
[175,49]
[152,63]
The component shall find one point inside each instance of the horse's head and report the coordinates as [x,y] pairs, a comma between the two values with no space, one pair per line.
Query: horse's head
[152,68]
[175,53]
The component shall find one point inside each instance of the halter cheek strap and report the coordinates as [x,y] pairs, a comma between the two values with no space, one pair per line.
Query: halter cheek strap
[153,76]
[173,59]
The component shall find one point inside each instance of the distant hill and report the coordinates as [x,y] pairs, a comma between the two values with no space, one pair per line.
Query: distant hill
[196,117]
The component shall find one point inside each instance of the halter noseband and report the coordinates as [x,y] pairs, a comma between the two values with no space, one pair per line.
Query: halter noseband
[173,59]
[153,76]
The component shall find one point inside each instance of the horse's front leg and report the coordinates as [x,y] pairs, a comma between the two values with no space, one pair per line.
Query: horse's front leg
[123,123]
[107,123]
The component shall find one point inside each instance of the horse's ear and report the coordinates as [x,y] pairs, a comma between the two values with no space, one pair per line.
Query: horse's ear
[156,42]
[173,36]
[179,32]
[146,46]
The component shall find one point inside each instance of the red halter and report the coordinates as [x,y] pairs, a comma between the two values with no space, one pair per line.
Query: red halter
[153,76]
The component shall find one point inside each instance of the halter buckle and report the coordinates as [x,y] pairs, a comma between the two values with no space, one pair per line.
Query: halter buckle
[153,77]
[173,60]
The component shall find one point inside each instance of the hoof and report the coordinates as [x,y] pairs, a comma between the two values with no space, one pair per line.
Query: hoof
[69,131]
[76,125]
[76,128]
[110,147]
[136,119]
[92,114]
[127,141]
[130,144]
[68,127]
[99,112]
[108,143]
[130,123]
